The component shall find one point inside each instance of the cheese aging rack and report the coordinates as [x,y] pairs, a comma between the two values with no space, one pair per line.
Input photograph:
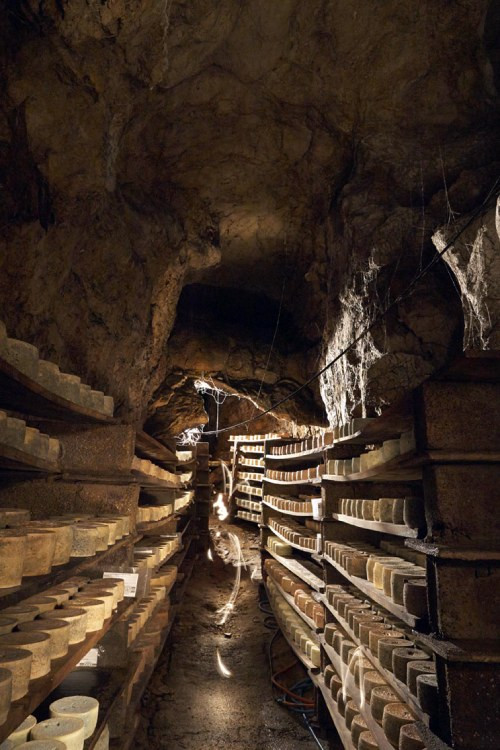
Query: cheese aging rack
[67,463]
[378,546]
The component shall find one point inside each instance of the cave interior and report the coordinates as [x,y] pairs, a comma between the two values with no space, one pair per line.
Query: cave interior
[249,374]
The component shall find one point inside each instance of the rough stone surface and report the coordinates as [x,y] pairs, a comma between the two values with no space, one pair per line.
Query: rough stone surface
[475,261]
[304,151]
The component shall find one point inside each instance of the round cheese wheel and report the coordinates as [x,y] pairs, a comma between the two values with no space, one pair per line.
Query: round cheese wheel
[82,707]
[68,730]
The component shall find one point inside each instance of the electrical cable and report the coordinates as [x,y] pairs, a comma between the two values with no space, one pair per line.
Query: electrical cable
[397,300]
[296,703]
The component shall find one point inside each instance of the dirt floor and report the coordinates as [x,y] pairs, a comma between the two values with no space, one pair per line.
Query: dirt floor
[189,704]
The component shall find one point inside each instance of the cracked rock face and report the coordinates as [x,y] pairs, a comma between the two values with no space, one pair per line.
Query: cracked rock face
[306,153]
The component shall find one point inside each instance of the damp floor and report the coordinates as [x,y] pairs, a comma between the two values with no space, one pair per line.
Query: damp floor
[189,705]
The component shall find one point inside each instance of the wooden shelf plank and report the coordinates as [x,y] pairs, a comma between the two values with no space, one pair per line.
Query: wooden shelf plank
[337,718]
[378,596]
[408,466]
[309,514]
[380,526]
[396,419]
[314,455]
[301,569]
[155,527]
[444,552]
[311,480]
[147,480]
[15,459]
[76,566]
[298,653]
[26,396]
[290,600]
[39,689]
[462,651]
[151,448]
[307,550]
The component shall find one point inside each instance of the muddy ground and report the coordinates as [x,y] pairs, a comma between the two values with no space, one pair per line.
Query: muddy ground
[189,705]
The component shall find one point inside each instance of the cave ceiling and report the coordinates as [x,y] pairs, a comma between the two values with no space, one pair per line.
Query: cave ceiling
[166,164]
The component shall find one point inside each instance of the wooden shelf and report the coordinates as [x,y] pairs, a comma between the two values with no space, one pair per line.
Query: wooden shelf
[20,393]
[292,544]
[399,687]
[378,596]
[290,600]
[14,459]
[127,737]
[309,514]
[444,552]
[380,526]
[395,420]
[252,449]
[302,569]
[406,467]
[337,718]
[148,480]
[462,651]
[151,448]
[154,527]
[311,480]
[312,455]
[39,689]
[33,585]
[355,693]
[298,653]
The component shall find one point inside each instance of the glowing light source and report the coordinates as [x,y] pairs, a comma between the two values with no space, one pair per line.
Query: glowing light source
[209,555]
[220,507]
[221,667]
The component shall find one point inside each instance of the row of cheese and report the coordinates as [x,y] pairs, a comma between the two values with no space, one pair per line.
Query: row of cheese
[381,636]
[25,358]
[389,450]
[34,547]
[251,462]
[149,513]
[291,505]
[374,700]
[249,489]
[295,533]
[408,511]
[244,502]
[299,590]
[302,475]
[401,579]
[256,437]
[308,444]
[42,628]
[293,625]
[249,476]
[73,720]
[152,552]
[14,433]
[143,466]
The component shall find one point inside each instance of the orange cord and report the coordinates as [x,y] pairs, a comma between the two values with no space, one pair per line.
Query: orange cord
[304,701]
